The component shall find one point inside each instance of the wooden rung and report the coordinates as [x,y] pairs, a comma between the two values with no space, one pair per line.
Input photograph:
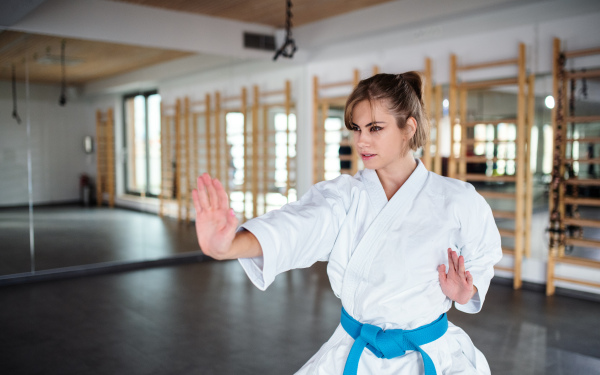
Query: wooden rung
[584,161]
[488,84]
[508,250]
[594,202]
[490,64]
[582,222]
[495,141]
[501,268]
[230,98]
[506,232]
[482,177]
[503,214]
[585,140]
[583,182]
[497,195]
[336,84]
[491,122]
[578,261]
[582,52]
[270,93]
[583,242]
[587,74]
[333,100]
[575,281]
[582,119]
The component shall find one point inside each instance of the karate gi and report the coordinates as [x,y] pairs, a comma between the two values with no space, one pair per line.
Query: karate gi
[383,258]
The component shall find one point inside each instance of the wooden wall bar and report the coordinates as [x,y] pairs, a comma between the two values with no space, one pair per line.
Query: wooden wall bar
[564,188]
[522,179]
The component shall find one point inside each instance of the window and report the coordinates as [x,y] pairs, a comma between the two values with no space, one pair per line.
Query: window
[142,144]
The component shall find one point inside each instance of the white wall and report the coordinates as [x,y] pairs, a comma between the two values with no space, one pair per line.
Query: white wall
[56,143]
[56,133]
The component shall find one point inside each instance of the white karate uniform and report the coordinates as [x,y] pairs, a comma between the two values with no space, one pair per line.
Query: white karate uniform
[383,258]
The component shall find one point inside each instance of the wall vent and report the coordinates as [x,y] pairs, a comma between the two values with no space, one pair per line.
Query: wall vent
[259,41]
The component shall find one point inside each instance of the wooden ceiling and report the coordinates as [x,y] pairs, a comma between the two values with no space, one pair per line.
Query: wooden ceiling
[266,12]
[90,60]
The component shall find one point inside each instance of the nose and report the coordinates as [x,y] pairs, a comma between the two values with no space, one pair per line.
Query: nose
[361,139]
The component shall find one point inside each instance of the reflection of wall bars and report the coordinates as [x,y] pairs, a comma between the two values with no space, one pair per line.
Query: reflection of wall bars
[197,137]
[560,201]
[168,181]
[266,146]
[105,157]
[522,179]
[321,104]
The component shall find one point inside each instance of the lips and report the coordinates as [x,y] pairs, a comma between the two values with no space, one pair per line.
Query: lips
[365,156]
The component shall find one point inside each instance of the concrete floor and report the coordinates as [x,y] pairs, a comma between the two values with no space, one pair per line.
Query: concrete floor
[207,318]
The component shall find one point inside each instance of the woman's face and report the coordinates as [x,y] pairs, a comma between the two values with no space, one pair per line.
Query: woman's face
[378,140]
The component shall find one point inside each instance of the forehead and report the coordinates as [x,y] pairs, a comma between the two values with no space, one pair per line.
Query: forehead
[366,112]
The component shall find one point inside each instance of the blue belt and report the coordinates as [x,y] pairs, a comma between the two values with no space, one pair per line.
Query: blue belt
[392,342]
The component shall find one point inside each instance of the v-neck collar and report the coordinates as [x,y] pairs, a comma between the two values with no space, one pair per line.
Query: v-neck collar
[414,182]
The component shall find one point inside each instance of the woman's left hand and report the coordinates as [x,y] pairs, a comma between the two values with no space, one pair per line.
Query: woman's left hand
[457,284]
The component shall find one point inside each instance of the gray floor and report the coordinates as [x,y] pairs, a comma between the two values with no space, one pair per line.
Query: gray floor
[206,318]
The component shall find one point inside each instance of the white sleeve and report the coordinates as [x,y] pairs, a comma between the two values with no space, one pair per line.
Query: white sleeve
[296,235]
[481,248]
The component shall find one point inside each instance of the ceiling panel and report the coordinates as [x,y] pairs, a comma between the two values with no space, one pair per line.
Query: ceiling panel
[86,60]
[266,12]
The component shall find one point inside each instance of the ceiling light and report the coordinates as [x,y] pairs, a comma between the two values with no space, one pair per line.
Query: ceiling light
[549,101]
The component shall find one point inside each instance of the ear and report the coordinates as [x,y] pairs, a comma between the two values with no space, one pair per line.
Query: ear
[411,127]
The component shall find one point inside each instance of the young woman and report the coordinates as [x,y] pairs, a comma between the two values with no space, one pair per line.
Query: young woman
[387,233]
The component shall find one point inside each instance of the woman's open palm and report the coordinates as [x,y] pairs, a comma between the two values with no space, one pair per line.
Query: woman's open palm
[457,284]
[216,223]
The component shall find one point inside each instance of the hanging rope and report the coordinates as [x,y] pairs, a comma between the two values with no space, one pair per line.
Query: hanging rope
[557,234]
[63,97]
[15,114]
[573,209]
[289,45]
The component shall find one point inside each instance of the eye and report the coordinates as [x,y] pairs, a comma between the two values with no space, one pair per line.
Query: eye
[355,129]
[375,128]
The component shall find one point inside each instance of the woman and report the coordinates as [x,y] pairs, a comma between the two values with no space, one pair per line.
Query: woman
[386,233]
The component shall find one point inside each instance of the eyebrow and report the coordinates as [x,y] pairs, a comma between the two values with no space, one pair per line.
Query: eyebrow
[369,124]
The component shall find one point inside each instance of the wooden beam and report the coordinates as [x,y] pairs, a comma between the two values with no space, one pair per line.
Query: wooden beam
[437,167]
[582,52]
[582,119]
[583,242]
[578,261]
[288,104]
[491,64]
[255,135]
[488,84]
[452,114]
[593,202]
[582,222]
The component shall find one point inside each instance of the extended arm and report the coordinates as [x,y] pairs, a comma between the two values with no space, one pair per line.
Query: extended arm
[216,224]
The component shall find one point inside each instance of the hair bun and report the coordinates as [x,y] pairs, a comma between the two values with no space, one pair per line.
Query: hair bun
[414,80]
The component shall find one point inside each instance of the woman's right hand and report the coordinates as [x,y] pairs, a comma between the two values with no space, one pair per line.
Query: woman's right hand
[216,223]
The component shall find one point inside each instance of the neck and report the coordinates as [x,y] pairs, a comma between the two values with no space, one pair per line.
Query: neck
[394,176]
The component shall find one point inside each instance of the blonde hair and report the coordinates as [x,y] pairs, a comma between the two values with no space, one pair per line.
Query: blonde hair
[401,96]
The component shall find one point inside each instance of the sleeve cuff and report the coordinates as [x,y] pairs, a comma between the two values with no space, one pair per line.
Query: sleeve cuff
[475,303]
[260,270]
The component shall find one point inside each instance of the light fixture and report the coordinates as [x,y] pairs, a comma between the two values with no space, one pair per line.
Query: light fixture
[445,103]
[549,101]
[289,45]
